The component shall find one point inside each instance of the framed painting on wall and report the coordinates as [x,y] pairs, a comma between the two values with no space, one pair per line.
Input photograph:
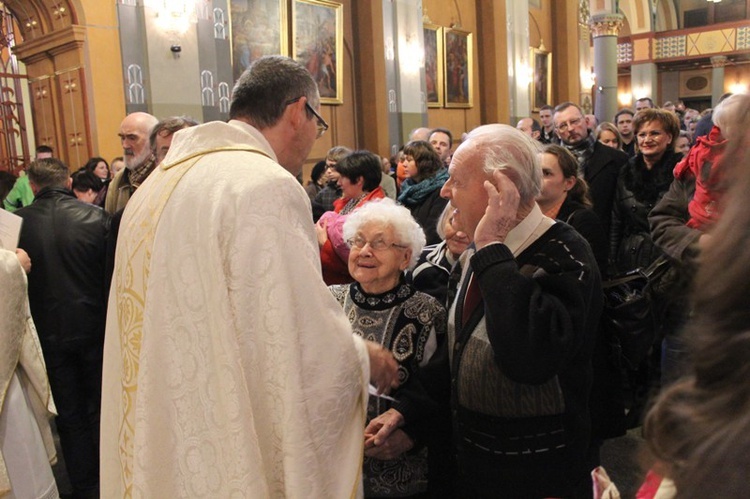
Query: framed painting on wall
[459,61]
[317,42]
[433,64]
[541,78]
[258,28]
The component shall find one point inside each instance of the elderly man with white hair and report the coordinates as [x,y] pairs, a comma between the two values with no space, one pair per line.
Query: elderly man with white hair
[521,328]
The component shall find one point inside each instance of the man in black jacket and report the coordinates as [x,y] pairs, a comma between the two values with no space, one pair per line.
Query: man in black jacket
[66,240]
[599,164]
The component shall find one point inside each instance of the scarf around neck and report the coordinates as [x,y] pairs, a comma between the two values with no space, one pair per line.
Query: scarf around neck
[583,150]
[413,193]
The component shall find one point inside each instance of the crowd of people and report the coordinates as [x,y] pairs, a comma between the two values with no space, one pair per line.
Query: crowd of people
[426,325]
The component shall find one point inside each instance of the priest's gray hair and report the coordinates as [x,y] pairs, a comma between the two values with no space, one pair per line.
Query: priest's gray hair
[385,211]
[502,147]
[267,87]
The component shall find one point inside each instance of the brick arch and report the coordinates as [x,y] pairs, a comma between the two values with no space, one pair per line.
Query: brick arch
[53,50]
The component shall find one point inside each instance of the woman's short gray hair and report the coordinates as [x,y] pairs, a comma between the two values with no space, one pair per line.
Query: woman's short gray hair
[504,147]
[385,211]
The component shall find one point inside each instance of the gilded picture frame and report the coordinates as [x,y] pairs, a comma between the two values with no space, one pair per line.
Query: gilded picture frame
[541,78]
[433,65]
[317,42]
[257,28]
[458,67]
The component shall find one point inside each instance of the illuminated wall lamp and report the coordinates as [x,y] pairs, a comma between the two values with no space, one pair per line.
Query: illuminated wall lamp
[738,88]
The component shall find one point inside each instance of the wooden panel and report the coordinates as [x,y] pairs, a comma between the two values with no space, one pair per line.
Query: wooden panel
[77,145]
[43,113]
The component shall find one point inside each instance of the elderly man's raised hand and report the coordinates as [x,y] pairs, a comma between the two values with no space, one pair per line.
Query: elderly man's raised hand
[383,368]
[501,214]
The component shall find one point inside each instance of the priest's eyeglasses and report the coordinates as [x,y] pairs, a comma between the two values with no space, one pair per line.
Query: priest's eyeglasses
[321,123]
[379,244]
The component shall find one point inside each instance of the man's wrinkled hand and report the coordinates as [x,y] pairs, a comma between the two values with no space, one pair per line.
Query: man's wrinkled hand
[501,214]
[381,427]
[396,444]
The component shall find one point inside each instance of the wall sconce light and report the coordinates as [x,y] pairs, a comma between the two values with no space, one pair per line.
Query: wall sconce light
[410,54]
[525,74]
[625,99]
[173,16]
[738,88]
[588,78]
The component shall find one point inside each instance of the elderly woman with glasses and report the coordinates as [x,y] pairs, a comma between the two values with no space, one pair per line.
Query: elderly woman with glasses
[359,180]
[382,307]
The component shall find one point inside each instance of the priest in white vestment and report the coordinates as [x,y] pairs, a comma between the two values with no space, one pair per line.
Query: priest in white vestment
[26,445]
[229,369]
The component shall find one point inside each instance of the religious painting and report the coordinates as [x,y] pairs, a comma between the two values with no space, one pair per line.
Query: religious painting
[541,78]
[457,67]
[317,42]
[258,28]
[433,64]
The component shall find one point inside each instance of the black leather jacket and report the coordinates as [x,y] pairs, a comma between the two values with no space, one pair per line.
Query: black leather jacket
[66,240]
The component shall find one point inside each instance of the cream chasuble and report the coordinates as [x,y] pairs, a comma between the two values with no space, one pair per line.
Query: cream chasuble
[229,369]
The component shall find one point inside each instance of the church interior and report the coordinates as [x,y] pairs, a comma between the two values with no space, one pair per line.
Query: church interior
[73,68]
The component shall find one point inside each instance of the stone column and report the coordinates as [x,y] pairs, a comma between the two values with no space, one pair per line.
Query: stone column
[717,78]
[519,67]
[604,29]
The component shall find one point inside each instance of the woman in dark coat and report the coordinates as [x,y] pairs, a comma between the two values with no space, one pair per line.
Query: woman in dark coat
[642,183]
[420,192]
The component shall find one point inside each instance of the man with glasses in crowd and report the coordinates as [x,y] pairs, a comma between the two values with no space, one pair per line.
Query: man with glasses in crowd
[229,368]
[599,164]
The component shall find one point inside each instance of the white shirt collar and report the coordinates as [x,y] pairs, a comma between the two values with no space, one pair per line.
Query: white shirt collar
[529,230]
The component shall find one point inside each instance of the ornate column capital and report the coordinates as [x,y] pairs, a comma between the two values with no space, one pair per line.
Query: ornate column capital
[719,61]
[605,24]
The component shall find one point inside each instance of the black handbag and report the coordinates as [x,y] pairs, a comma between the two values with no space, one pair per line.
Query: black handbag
[628,312]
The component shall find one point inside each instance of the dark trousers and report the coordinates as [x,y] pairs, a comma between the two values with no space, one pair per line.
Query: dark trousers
[74,369]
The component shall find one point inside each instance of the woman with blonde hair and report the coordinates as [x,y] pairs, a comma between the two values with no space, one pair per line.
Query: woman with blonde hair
[608,134]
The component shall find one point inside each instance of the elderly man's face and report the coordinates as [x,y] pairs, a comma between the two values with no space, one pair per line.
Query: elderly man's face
[571,126]
[465,189]
[133,135]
